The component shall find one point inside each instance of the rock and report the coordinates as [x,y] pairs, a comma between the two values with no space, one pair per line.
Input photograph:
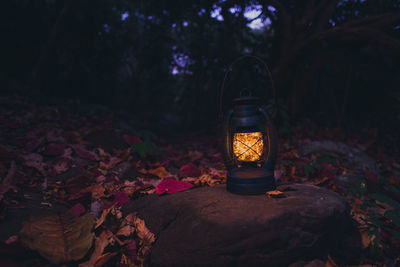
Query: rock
[352,156]
[350,183]
[212,227]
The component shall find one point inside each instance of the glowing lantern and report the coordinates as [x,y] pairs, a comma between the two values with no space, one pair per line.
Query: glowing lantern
[250,147]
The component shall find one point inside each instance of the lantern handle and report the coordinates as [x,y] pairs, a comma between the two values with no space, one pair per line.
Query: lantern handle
[220,115]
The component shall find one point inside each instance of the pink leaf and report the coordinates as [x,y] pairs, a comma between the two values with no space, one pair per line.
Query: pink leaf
[190,170]
[54,150]
[131,139]
[77,210]
[170,185]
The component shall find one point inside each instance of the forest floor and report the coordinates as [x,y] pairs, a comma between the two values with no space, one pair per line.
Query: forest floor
[72,168]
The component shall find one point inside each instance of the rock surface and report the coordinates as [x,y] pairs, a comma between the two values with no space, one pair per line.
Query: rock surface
[212,227]
[352,156]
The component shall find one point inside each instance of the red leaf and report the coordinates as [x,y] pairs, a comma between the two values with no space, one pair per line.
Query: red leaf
[121,198]
[77,210]
[54,150]
[170,185]
[131,139]
[190,170]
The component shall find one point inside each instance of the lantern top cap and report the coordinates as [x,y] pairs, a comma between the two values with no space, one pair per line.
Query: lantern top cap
[246,100]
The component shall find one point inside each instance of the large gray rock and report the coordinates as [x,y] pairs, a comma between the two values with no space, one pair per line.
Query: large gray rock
[353,156]
[212,227]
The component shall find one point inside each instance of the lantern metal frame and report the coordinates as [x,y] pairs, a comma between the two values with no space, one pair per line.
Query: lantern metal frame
[249,177]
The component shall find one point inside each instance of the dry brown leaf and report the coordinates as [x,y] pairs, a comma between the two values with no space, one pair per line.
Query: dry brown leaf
[365,239]
[126,230]
[103,216]
[59,238]
[103,259]
[127,226]
[96,190]
[127,261]
[146,238]
[161,172]
[101,242]
[275,194]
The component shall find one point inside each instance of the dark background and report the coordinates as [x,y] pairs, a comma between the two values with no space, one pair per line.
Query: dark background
[335,62]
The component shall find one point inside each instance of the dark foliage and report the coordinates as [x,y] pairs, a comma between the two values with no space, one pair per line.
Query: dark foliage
[334,61]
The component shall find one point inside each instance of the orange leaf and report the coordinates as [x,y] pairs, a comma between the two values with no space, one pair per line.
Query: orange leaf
[161,172]
[275,194]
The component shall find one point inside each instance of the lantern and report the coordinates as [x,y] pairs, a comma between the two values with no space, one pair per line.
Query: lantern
[250,145]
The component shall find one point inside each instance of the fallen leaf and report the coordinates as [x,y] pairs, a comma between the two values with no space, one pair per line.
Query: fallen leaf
[110,163]
[161,172]
[11,239]
[170,185]
[58,238]
[275,194]
[126,230]
[190,170]
[96,208]
[103,216]
[195,155]
[146,238]
[77,209]
[103,259]
[365,238]
[61,166]
[35,161]
[100,243]
[54,149]
[121,199]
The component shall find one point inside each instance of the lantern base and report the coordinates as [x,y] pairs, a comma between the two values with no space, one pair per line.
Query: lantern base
[250,181]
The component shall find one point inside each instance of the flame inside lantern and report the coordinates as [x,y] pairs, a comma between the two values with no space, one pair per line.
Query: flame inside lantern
[248,146]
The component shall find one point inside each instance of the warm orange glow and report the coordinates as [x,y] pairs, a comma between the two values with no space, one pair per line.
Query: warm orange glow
[248,146]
